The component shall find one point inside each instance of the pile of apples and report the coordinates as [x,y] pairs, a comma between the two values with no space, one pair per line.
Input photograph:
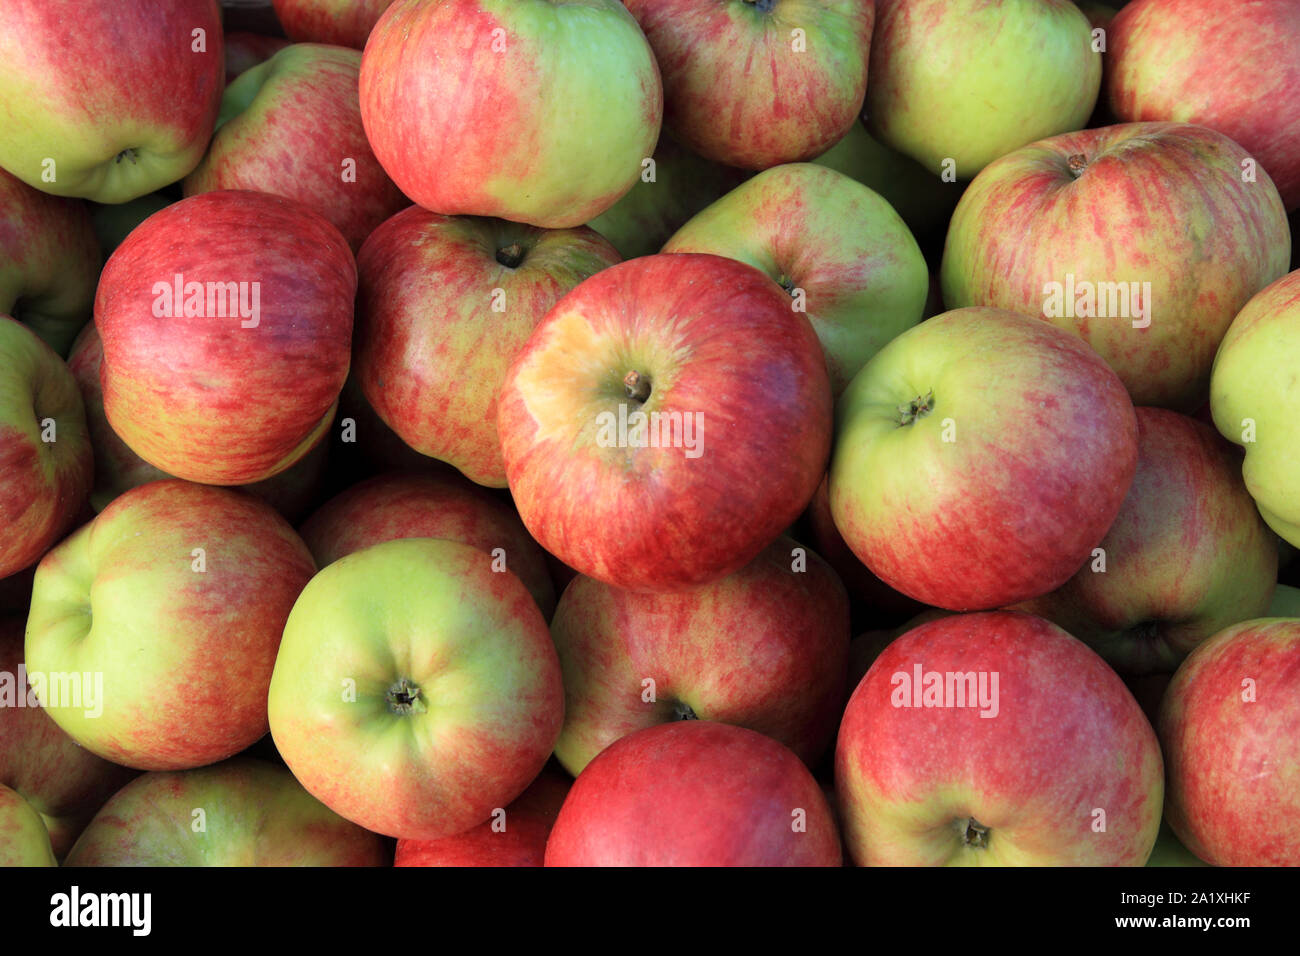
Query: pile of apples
[471,432]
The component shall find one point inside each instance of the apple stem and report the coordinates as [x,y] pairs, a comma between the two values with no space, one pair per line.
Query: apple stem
[128,153]
[973,833]
[510,256]
[404,698]
[637,385]
[1077,163]
[919,407]
[683,711]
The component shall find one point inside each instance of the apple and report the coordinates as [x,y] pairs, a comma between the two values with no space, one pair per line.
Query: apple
[920,196]
[416,689]
[1286,602]
[445,303]
[362,446]
[118,469]
[1142,239]
[340,22]
[955,84]
[996,739]
[514,836]
[1230,727]
[107,99]
[838,248]
[291,126]
[23,838]
[667,420]
[764,648]
[1255,403]
[226,321]
[694,793]
[45,458]
[1232,67]
[49,262]
[755,83]
[406,505]
[527,110]
[669,191]
[979,458]
[60,780]
[242,812]
[245,50]
[157,624]
[1187,555]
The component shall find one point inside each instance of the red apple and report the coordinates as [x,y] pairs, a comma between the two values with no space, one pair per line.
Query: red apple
[226,320]
[445,303]
[392,506]
[1142,239]
[996,739]
[1234,67]
[527,110]
[292,127]
[695,793]
[341,22]
[764,648]
[1230,727]
[666,421]
[1187,555]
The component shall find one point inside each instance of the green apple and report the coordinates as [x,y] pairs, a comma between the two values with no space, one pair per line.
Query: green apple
[24,840]
[838,248]
[416,689]
[1256,403]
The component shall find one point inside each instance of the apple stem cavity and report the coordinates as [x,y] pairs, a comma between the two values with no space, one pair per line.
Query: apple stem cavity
[637,386]
[404,698]
[683,711]
[1077,163]
[973,833]
[918,407]
[510,256]
[762,6]
[129,153]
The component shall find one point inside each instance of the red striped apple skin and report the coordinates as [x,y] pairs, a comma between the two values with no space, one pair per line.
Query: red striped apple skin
[124,597]
[709,337]
[1000,487]
[445,303]
[1230,727]
[396,505]
[339,22]
[206,398]
[526,110]
[1234,67]
[1067,740]
[1162,203]
[43,484]
[695,793]
[738,89]
[764,648]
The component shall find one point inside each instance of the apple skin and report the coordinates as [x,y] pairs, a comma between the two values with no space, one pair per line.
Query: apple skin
[340,22]
[1233,67]
[969,80]
[1252,388]
[118,469]
[653,209]
[62,781]
[212,399]
[1234,763]
[711,338]
[996,489]
[1286,602]
[764,648]
[286,128]
[1186,556]
[1067,738]
[540,91]
[122,598]
[1153,202]
[254,814]
[527,823]
[49,262]
[23,838]
[416,690]
[736,88]
[694,793]
[45,483]
[403,505]
[245,50]
[136,113]
[434,346]
[812,228]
